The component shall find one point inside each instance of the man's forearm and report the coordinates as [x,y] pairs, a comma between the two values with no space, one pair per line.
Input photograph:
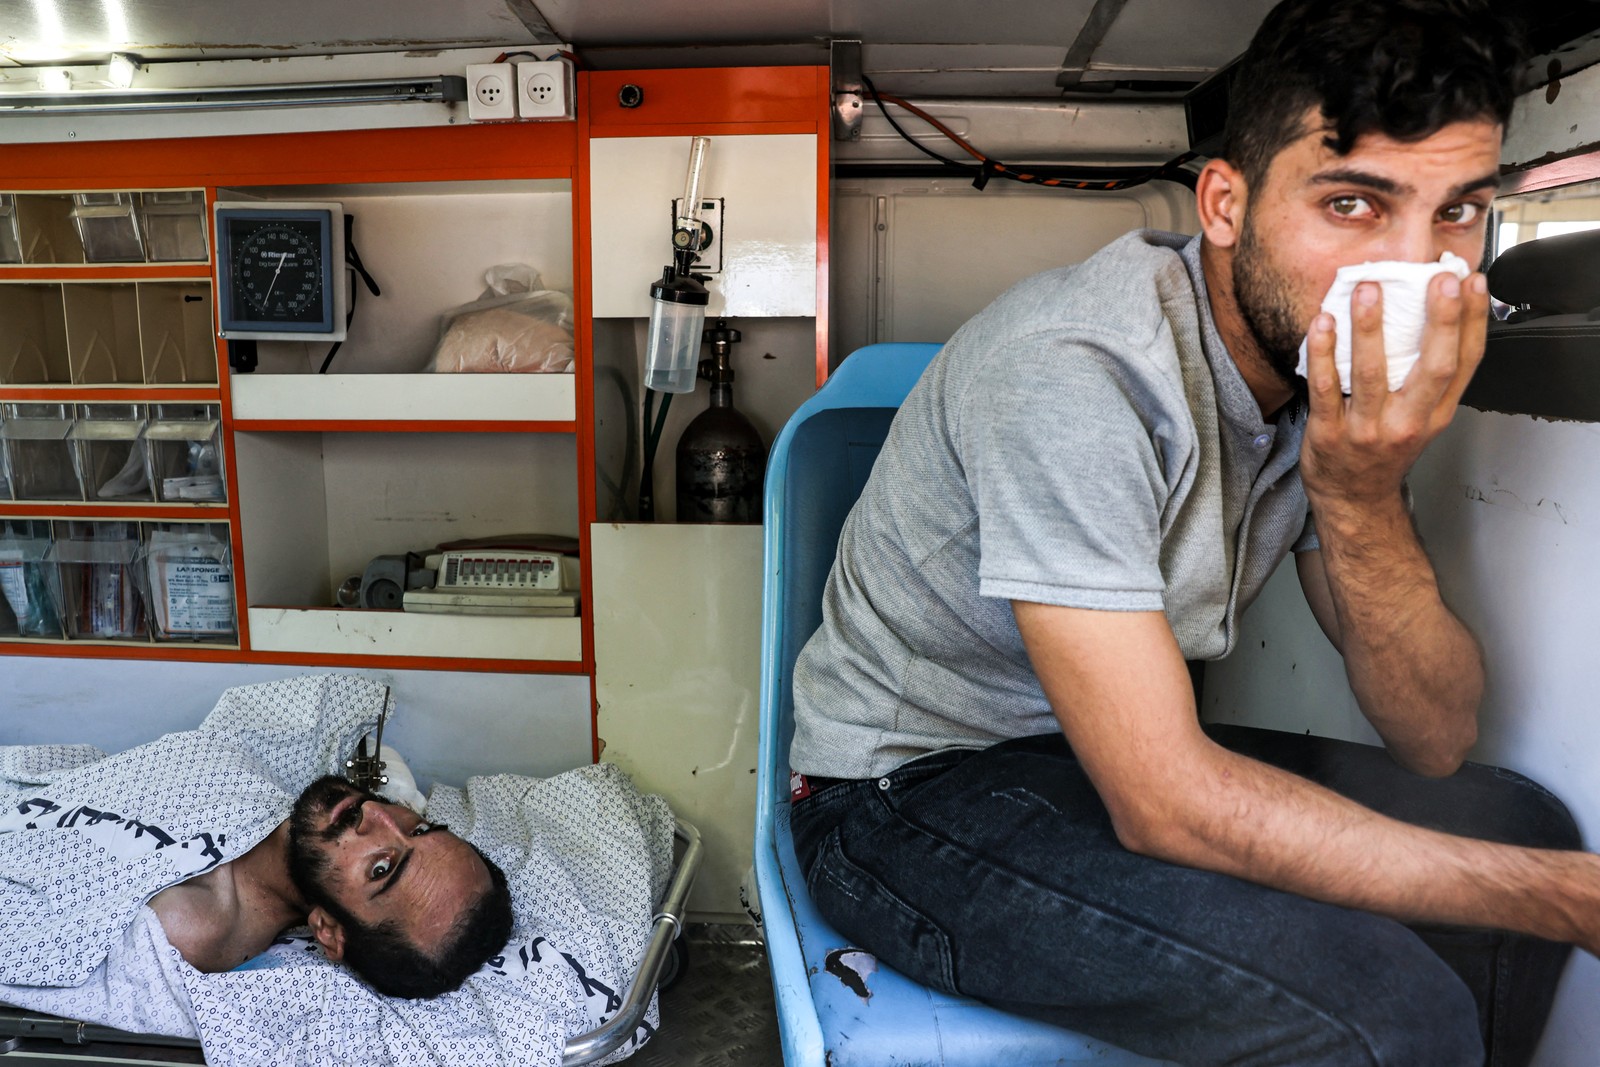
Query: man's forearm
[1257,822]
[1415,669]
[1119,688]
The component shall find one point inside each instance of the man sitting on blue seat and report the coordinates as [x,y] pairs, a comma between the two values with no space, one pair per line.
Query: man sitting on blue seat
[1005,790]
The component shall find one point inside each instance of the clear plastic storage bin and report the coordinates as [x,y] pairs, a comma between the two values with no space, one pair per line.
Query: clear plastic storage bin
[183,446]
[103,333]
[177,334]
[27,607]
[97,580]
[45,228]
[188,579]
[174,224]
[10,237]
[109,453]
[33,334]
[38,455]
[107,227]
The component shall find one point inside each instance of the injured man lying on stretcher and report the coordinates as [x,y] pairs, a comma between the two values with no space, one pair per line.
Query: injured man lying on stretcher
[161,890]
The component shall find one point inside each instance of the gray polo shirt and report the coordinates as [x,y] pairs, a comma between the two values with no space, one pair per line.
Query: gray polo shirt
[1086,440]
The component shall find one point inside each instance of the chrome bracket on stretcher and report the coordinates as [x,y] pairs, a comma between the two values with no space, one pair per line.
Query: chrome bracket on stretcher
[17,1025]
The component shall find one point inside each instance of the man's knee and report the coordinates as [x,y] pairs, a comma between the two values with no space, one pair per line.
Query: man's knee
[1434,1026]
[1375,995]
[1428,1019]
[1531,815]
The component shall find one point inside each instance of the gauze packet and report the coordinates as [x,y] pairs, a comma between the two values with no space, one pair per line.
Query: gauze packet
[1405,311]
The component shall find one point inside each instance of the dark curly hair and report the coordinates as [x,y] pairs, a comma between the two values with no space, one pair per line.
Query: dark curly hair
[1402,68]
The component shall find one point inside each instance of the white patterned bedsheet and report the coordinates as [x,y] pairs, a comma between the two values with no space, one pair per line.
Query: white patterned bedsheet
[586,857]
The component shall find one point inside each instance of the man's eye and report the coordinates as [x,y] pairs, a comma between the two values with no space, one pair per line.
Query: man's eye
[1350,207]
[381,869]
[421,828]
[1461,214]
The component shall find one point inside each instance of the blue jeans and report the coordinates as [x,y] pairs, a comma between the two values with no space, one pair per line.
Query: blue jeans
[995,874]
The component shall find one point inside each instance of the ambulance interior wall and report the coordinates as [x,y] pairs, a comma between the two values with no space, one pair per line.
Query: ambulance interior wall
[448,725]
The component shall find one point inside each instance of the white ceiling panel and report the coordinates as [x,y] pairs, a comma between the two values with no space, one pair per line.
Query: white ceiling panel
[927,47]
[964,70]
[1011,22]
[954,22]
[1160,35]
[68,31]
[630,22]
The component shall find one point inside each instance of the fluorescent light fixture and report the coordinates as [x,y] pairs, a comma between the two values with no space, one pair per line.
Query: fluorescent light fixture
[123,68]
[48,27]
[55,80]
[442,89]
[116,17]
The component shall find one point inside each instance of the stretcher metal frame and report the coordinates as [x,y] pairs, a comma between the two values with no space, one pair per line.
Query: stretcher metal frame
[18,1024]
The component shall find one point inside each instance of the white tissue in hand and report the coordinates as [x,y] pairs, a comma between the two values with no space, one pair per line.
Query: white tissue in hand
[1405,310]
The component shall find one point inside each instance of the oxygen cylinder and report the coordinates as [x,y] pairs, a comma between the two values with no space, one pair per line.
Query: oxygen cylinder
[721,460]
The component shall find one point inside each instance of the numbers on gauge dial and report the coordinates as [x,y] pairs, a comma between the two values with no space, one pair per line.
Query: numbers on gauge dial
[277,270]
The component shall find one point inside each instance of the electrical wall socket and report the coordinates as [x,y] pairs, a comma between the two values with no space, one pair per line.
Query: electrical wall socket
[544,89]
[491,92]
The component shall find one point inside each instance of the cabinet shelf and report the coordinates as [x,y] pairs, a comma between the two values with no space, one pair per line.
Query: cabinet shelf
[340,632]
[120,272]
[404,401]
[210,652]
[132,511]
[197,393]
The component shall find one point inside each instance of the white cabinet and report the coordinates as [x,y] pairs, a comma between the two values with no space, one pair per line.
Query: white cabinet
[381,456]
[768,188]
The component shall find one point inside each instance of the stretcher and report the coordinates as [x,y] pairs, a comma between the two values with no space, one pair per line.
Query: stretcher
[33,1037]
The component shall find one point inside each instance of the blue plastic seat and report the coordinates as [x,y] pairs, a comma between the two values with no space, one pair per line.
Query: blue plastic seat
[817,468]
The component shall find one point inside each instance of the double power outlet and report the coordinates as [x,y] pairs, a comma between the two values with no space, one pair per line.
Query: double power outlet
[530,90]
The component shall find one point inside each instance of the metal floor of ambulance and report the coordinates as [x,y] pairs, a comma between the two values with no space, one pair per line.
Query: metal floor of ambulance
[719,1015]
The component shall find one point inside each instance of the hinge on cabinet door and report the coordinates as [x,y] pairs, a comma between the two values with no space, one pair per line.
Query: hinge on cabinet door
[844,64]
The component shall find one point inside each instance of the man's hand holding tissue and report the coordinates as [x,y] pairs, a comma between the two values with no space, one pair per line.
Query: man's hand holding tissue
[1358,448]
[1415,669]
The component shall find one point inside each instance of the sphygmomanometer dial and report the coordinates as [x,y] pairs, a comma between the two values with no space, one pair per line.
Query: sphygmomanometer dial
[278,270]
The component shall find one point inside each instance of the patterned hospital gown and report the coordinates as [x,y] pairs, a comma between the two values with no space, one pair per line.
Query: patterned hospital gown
[585,854]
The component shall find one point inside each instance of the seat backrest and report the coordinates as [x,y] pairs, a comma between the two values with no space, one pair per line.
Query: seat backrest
[817,468]
[1538,360]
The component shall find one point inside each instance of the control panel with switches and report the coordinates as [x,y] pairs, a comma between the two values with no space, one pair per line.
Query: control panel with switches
[499,581]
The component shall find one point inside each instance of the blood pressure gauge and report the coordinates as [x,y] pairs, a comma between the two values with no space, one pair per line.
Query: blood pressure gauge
[280,271]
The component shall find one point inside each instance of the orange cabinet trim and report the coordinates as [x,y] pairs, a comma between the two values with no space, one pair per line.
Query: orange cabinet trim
[522,150]
[697,97]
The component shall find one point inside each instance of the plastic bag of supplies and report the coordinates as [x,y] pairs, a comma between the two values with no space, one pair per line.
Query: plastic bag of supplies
[516,326]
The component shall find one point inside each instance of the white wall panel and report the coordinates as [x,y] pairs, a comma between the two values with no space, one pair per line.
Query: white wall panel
[448,725]
[914,259]
[1506,505]
[677,633]
[1550,125]
[391,493]
[769,237]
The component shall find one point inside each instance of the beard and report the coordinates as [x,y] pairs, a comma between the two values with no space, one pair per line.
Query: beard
[309,864]
[1267,306]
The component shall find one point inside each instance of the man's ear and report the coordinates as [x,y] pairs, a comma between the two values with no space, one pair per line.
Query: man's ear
[1221,196]
[329,933]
